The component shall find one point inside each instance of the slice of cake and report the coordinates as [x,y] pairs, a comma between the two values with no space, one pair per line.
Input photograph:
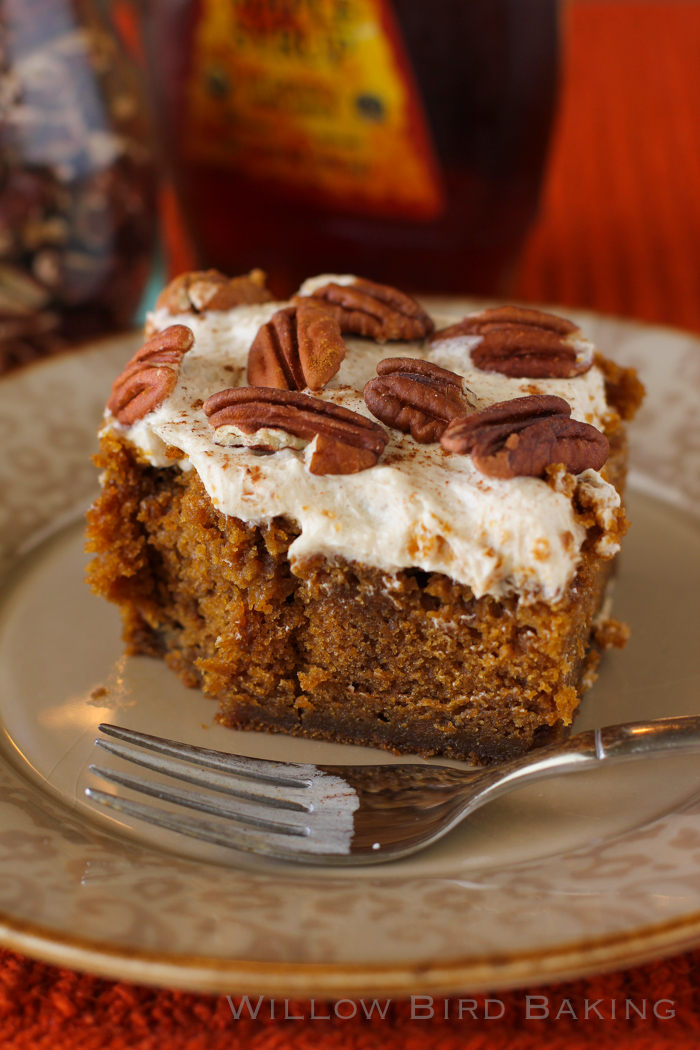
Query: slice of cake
[344,520]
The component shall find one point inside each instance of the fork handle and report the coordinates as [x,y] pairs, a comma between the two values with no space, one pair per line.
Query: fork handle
[636,739]
[593,748]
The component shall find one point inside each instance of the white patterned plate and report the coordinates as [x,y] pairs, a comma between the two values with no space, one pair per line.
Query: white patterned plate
[563,878]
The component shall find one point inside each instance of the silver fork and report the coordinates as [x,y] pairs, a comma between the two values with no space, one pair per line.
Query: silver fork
[344,815]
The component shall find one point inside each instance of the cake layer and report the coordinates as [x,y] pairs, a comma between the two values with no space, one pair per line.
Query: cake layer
[337,650]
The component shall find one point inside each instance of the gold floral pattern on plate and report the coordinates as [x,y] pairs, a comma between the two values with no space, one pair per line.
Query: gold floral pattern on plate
[553,882]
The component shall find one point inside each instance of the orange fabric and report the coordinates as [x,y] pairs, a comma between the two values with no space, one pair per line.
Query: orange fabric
[619,231]
[44,1008]
[179,251]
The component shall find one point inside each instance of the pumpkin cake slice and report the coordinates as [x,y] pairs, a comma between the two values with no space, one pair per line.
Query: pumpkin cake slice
[343,519]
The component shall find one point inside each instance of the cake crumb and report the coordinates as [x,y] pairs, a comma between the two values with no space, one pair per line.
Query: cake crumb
[559,479]
[611,634]
[567,539]
[541,550]
[590,674]
[623,388]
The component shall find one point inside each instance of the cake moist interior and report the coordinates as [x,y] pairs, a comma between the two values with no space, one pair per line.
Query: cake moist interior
[332,649]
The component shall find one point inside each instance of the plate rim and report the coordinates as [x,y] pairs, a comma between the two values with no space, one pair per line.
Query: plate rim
[219,975]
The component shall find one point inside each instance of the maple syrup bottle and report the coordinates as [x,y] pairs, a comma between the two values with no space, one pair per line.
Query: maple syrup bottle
[403,140]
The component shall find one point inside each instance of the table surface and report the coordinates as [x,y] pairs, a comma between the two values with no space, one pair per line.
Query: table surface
[619,232]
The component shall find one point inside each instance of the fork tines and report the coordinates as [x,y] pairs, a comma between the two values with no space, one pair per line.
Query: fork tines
[310,806]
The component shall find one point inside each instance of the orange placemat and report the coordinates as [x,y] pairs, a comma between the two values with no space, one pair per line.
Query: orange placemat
[619,231]
[45,1008]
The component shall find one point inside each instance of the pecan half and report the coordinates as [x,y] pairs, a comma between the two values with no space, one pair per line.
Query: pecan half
[150,376]
[300,346]
[416,396]
[522,343]
[374,310]
[346,442]
[202,290]
[524,436]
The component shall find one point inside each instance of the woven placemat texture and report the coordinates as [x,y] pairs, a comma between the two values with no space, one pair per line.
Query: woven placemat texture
[45,1008]
[619,231]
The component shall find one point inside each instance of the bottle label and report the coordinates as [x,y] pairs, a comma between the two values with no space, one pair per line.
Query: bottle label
[315,97]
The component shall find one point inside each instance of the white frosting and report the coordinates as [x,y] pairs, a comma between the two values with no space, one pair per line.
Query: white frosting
[585,393]
[311,284]
[419,507]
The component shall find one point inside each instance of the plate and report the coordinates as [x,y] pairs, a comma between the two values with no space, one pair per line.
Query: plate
[562,878]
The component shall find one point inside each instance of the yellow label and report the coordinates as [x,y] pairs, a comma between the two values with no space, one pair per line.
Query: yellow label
[315,96]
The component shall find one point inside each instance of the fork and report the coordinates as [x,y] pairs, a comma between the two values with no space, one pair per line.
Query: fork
[348,815]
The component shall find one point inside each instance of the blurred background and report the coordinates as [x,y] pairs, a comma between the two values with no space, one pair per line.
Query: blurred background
[534,150]
[545,151]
